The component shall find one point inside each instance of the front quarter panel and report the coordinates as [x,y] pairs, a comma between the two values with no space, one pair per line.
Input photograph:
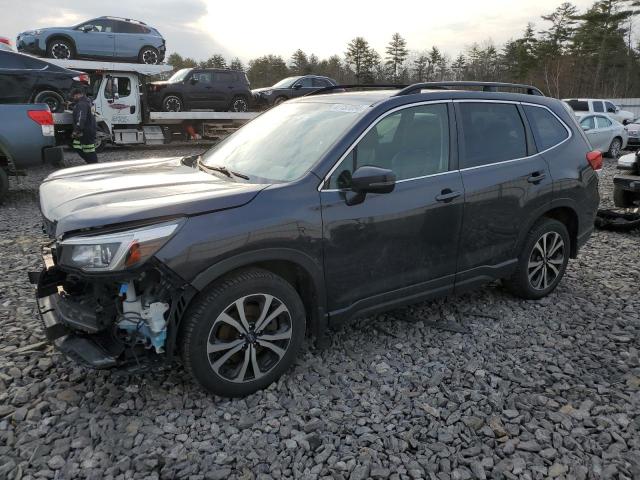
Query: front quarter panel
[282,218]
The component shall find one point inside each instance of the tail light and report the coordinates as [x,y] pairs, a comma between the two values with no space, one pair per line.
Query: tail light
[84,78]
[5,40]
[595,160]
[44,118]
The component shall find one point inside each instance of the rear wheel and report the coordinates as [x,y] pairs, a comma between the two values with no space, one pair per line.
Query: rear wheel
[239,104]
[614,148]
[172,103]
[149,56]
[244,333]
[60,49]
[542,261]
[53,99]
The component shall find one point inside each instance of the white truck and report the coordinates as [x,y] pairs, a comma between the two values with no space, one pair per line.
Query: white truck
[123,117]
[583,106]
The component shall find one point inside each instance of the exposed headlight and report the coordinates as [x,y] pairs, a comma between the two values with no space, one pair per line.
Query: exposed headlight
[116,251]
[33,32]
[266,93]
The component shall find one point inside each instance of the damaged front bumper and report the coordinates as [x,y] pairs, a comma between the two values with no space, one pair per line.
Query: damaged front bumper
[93,333]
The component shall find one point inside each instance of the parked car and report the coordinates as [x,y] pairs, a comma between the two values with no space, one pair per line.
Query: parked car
[605,134]
[27,139]
[5,44]
[25,79]
[633,132]
[194,88]
[583,106]
[108,38]
[290,87]
[626,184]
[327,207]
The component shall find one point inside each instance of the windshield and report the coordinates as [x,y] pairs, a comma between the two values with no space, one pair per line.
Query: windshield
[287,82]
[285,142]
[179,76]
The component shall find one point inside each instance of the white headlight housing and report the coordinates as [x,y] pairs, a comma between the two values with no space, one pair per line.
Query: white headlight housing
[116,251]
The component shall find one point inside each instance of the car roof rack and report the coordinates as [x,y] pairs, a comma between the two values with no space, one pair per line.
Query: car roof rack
[131,20]
[352,86]
[486,87]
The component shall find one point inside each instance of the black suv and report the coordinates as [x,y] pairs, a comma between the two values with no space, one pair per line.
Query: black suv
[291,87]
[324,208]
[25,79]
[201,88]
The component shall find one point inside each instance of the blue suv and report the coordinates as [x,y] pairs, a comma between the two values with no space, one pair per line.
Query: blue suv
[108,38]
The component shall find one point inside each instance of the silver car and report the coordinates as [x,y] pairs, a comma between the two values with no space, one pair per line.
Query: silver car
[605,134]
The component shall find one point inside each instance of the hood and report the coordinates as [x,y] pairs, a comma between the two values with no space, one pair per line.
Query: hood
[106,194]
[160,82]
[263,89]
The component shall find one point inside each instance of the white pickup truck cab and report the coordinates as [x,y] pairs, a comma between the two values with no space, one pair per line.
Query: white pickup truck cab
[598,105]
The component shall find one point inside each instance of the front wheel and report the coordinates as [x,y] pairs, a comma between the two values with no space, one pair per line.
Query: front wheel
[172,103]
[279,100]
[60,49]
[542,261]
[239,104]
[149,56]
[243,333]
[614,148]
[54,100]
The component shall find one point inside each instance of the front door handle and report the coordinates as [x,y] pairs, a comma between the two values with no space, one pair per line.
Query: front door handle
[536,177]
[447,195]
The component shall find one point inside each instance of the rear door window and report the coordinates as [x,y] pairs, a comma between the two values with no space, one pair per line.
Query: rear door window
[598,106]
[603,122]
[11,61]
[578,105]
[491,133]
[588,123]
[126,27]
[223,77]
[320,82]
[547,130]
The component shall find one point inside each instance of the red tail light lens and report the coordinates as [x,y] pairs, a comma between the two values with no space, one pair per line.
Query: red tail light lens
[41,117]
[595,160]
[84,78]
[5,40]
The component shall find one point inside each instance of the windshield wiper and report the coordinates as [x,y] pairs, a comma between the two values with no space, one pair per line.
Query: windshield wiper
[222,169]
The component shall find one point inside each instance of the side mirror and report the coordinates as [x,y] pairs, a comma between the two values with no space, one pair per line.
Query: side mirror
[368,179]
[297,86]
[626,121]
[87,28]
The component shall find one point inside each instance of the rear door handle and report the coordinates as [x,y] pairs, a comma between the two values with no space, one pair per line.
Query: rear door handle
[536,177]
[447,195]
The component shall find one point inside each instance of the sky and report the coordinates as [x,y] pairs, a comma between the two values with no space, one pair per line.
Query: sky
[248,29]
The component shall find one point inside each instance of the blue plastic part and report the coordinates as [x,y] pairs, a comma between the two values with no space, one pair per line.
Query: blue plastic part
[123,288]
[157,339]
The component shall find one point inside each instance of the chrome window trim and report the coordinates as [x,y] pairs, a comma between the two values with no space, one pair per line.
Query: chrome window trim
[462,100]
[373,124]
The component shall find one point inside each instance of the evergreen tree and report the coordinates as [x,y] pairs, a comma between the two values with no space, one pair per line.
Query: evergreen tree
[215,61]
[396,54]
[299,63]
[236,64]
[358,56]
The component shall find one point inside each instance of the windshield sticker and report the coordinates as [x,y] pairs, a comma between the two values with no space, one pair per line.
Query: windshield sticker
[341,107]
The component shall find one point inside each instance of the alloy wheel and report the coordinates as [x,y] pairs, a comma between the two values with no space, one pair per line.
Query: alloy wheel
[546,261]
[240,105]
[150,57]
[61,51]
[172,104]
[249,338]
[615,148]
[53,103]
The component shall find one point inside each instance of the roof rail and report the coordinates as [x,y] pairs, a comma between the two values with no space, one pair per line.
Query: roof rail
[486,87]
[344,87]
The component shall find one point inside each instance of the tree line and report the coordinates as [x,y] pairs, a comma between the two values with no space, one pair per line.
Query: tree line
[572,54]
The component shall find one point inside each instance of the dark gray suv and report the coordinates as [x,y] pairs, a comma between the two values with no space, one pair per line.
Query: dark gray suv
[321,209]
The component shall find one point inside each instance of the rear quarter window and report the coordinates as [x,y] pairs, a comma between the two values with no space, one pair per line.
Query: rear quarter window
[578,105]
[547,130]
[492,133]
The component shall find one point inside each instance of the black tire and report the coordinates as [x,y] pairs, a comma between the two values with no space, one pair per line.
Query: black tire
[279,100]
[103,137]
[614,148]
[204,351]
[530,280]
[239,104]
[60,49]
[149,56]
[4,184]
[172,103]
[54,100]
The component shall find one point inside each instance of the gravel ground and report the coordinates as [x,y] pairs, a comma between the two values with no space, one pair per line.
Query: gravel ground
[546,389]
